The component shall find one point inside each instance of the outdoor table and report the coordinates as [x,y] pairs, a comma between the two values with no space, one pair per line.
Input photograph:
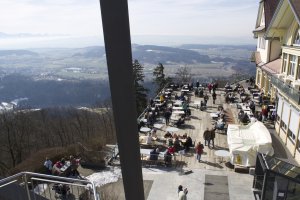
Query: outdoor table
[178,103]
[179,112]
[174,117]
[249,113]
[185,90]
[145,129]
[158,104]
[177,108]
[245,108]
[222,154]
[172,129]
[214,115]
[158,126]
[197,103]
[147,152]
[144,120]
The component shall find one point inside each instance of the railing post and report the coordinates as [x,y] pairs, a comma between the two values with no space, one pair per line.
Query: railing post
[26,187]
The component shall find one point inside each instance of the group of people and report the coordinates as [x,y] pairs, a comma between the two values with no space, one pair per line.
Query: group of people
[176,143]
[55,169]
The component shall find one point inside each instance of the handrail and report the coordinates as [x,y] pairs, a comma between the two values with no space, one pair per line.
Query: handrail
[64,180]
[143,113]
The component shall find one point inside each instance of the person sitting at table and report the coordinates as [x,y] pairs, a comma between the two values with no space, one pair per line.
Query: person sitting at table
[154,154]
[148,139]
[156,111]
[188,110]
[168,159]
[202,105]
[169,141]
[177,145]
[171,149]
[180,121]
[167,135]
[161,98]
[240,115]
[48,165]
[205,98]
[220,124]
[153,133]
[74,163]
[187,144]
[57,166]
[184,136]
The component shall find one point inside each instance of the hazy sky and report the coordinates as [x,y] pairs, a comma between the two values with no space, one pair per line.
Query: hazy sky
[185,20]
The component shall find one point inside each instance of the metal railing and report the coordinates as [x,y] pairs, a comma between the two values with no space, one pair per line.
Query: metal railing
[29,186]
[289,91]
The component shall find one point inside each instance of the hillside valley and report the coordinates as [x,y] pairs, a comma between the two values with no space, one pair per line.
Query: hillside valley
[78,76]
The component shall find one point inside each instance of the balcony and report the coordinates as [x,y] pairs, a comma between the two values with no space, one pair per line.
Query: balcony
[286,89]
[29,186]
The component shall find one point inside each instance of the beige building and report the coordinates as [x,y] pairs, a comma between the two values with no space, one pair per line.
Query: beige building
[278,65]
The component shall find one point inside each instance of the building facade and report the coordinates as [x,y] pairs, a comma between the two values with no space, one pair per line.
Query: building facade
[278,65]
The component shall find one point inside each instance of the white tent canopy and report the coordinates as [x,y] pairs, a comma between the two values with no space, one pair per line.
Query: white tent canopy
[245,141]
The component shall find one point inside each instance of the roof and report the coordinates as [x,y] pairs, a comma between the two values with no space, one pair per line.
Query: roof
[284,21]
[273,67]
[269,8]
[281,167]
[295,5]
[260,28]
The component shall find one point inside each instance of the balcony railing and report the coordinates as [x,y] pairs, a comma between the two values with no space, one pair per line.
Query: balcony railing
[288,90]
[29,186]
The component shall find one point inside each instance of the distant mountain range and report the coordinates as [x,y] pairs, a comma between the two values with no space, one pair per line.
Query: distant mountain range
[151,54]
[17,53]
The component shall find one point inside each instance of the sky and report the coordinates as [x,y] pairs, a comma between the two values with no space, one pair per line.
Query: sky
[78,22]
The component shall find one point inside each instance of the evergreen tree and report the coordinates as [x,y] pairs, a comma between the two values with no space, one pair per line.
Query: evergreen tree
[140,91]
[159,77]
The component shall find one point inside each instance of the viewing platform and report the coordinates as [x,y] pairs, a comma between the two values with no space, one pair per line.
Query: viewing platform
[211,178]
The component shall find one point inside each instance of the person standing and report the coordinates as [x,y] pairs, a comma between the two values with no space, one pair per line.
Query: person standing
[199,150]
[206,137]
[212,136]
[48,165]
[197,84]
[167,116]
[205,99]
[214,96]
[182,193]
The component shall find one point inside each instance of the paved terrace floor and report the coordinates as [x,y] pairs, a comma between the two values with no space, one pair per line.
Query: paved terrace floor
[166,181]
[210,179]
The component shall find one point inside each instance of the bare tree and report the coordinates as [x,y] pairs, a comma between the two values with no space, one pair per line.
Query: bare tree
[184,74]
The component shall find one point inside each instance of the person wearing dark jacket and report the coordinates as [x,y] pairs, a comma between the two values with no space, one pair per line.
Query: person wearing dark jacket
[206,137]
[212,136]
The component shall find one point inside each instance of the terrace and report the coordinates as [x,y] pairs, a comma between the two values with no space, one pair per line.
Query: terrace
[213,178]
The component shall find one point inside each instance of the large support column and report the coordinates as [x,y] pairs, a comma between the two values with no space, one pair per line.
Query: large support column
[116,30]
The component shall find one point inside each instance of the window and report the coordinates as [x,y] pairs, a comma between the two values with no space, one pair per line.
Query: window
[258,78]
[298,72]
[297,38]
[292,136]
[292,66]
[261,43]
[283,126]
[284,63]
